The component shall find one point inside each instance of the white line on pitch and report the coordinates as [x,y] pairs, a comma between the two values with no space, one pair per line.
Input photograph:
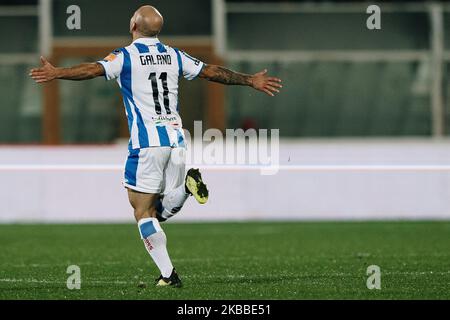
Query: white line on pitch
[293,168]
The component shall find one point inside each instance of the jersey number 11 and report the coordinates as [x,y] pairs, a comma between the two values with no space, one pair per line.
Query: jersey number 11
[154,80]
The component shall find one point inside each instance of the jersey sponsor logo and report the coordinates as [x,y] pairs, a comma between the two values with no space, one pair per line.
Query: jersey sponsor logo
[164,120]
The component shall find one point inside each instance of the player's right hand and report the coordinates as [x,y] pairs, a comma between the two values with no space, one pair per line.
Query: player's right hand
[269,85]
[44,74]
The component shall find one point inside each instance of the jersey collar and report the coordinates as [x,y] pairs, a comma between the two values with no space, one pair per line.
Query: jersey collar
[147,41]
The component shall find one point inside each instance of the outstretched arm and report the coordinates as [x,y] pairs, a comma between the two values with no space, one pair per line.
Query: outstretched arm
[259,81]
[80,72]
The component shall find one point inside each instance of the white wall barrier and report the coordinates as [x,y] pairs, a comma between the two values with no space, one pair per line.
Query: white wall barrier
[318,180]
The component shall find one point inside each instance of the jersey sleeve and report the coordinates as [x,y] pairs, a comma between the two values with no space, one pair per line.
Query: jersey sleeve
[191,66]
[112,64]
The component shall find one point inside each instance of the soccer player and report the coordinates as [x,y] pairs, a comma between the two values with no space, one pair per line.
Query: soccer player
[148,72]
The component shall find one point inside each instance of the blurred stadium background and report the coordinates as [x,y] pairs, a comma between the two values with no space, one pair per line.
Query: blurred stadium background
[351,96]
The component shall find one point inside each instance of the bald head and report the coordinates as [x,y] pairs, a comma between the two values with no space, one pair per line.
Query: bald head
[146,22]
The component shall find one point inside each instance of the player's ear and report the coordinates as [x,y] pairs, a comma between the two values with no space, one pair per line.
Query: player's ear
[133,27]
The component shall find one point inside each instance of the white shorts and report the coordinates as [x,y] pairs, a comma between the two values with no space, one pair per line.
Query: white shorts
[155,170]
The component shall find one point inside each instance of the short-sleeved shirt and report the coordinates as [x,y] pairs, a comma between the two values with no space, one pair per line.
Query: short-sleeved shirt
[148,72]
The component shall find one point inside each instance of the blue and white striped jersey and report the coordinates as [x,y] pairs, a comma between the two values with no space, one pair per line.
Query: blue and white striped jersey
[148,73]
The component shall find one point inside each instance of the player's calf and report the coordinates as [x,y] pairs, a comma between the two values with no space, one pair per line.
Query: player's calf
[162,213]
[173,201]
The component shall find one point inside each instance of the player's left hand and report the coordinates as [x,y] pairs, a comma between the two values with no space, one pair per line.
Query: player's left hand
[269,85]
[44,74]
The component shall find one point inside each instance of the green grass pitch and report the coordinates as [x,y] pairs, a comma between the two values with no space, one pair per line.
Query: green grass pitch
[230,261]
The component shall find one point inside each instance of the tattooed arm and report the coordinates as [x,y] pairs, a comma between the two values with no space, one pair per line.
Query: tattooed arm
[80,72]
[259,81]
